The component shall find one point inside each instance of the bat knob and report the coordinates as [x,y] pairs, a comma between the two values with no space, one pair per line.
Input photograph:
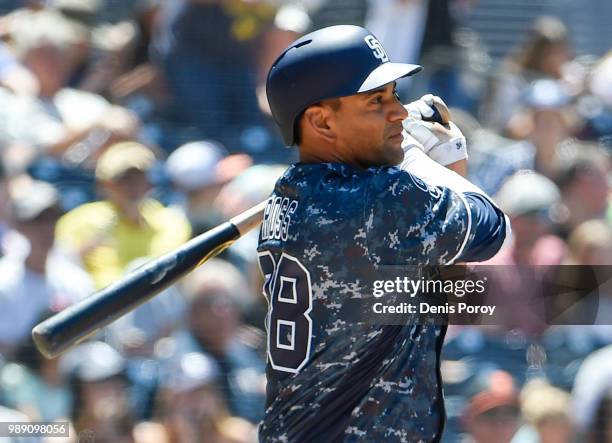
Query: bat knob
[40,336]
[436,117]
[441,113]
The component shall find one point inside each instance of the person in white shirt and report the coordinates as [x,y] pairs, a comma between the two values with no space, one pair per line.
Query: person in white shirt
[35,278]
[54,119]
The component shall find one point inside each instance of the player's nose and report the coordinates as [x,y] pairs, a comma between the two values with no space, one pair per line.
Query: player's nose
[397,112]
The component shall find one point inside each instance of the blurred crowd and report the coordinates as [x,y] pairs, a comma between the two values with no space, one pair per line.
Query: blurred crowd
[127,127]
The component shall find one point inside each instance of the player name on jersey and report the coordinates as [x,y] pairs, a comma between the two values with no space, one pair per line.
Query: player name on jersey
[277,217]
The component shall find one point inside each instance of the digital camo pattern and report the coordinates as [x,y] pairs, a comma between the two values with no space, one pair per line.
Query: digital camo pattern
[355,381]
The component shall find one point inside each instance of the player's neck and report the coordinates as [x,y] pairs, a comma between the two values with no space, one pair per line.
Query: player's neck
[325,155]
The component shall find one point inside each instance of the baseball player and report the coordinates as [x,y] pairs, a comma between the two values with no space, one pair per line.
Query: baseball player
[374,186]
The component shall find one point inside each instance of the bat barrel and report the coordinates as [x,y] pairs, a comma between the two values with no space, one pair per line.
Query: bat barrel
[76,323]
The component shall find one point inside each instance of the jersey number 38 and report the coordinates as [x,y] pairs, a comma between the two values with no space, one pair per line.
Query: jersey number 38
[288,291]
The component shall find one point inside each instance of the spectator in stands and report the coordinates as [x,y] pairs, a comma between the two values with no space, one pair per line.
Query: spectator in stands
[590,245]
[493,158]
[425,32]
[247,189]
[35,385]
[533,216]
[592,385]
[191,404]
[547,410]
[35,278]
[581,172]
[595,106]
[548,122]
[217,293]
[208,52]
[582,316]
[492,413]
[100,408]
[518,290]
[107,235]
[545,118]
[199,170]
[545,122]
[118,40]
[53,120]
[543,55]
[410,30]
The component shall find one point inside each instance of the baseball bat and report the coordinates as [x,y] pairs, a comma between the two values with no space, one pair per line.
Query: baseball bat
[77,322]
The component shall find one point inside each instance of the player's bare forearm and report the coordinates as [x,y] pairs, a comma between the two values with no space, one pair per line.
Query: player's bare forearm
[460,167]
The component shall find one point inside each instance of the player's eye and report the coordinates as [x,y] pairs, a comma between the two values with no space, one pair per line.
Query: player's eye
[377,99]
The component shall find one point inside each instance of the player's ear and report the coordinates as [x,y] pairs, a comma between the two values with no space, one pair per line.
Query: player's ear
[319,120]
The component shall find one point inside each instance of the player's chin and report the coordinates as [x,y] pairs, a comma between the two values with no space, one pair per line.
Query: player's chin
[394,151]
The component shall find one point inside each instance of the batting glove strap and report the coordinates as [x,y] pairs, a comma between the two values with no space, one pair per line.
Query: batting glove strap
[449,152]
[420,133]
[444,144]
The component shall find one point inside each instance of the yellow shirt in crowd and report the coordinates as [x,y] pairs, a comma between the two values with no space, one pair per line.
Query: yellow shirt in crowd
[107,242]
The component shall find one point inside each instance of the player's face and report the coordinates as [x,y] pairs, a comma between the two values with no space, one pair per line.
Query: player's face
[369,127]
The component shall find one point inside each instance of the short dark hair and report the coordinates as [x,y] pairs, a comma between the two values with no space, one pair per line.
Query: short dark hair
[334,103]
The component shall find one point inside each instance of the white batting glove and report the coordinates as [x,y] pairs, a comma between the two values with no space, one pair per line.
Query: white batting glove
[422,108]
[443,144]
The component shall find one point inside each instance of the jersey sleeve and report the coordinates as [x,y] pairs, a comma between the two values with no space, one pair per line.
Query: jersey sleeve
[488,229]
[409,222]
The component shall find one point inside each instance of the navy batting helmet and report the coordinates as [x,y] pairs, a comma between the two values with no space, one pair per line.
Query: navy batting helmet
[332,62]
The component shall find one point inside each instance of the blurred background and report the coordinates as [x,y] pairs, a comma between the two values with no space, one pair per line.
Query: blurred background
[129,126]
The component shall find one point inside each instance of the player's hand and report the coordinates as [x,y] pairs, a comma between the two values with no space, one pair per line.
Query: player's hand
[443,143]
[429,107]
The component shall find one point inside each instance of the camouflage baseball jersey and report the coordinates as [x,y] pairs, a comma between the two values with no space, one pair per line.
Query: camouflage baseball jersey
[326,228]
